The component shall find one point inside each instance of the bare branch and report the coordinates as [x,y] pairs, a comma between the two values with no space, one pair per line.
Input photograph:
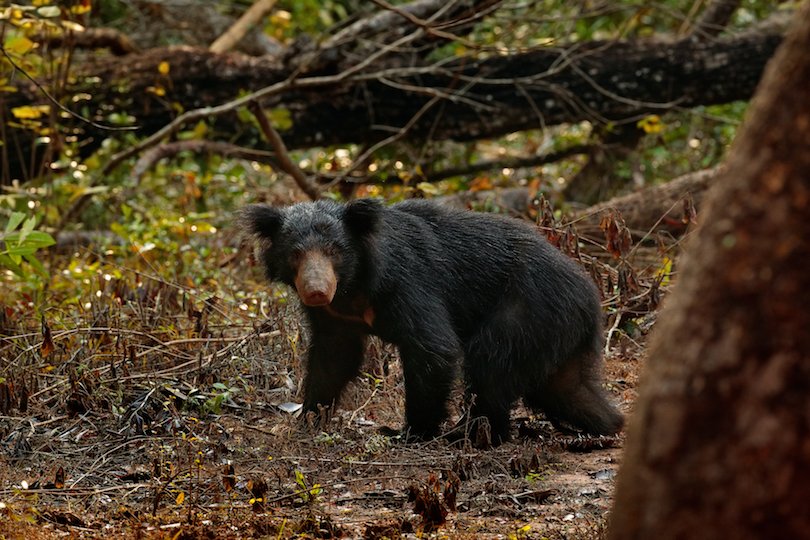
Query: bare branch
[508,163]
[715,18]
[242,26]
[656,208]
[416,21]
[91,38]
[660,204]
[56,103]
[423,13]
[150,157]
[293,81]
[362,159]
[284,160]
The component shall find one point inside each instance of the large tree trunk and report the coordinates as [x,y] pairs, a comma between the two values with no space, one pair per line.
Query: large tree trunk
[719,446]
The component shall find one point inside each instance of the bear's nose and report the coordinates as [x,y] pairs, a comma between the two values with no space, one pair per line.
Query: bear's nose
[317,298]
[316,281]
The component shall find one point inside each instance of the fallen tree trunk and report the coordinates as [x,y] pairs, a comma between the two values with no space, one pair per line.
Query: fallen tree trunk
[464,99]
[665,207]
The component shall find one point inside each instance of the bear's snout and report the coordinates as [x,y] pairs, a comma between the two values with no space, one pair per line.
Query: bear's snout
[316,281]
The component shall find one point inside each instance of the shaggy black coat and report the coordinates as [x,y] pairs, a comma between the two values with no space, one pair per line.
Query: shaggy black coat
[452,290]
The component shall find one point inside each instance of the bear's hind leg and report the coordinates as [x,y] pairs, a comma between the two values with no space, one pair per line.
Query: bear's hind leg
[574,396]
[492,401]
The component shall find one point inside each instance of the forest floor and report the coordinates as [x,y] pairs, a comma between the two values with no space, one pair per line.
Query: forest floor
[174,473]
[157,415]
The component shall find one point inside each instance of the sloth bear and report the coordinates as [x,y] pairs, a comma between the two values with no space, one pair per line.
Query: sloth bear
[452,289]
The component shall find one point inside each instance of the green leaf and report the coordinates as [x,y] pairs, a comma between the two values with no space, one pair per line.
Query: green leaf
[27,228]
[19,251]
[9,263]
[34,239]
[299,479]
[281,118]
[14,221]
[34,262]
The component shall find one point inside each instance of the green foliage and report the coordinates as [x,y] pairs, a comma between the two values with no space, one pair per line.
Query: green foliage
[222,394]
[374,445]
[687,141]
[312,16]
[20,242]
[308,494]
[535,476]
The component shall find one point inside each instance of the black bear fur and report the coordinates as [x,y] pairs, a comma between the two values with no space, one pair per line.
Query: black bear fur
[452,290]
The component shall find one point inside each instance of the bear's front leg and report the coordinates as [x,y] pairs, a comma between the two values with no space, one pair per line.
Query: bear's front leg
[431,355]
[334,358]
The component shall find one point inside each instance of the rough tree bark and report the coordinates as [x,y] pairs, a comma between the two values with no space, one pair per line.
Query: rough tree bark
[719,446]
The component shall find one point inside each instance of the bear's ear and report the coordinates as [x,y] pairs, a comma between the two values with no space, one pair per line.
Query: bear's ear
[362,215]
[261,220]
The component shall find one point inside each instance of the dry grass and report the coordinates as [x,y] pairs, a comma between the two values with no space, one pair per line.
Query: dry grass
[149,413]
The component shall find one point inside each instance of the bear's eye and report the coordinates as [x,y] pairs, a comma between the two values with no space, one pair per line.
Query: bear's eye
[295,256]
[332,252]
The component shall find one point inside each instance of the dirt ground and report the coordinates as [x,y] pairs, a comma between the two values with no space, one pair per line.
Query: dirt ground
[136,449]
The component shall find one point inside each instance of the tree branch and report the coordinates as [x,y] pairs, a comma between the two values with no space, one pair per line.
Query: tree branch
[662,207]
[715,18]
[507,162]
[91,38]
[287,165]
[242,26]
[152,156]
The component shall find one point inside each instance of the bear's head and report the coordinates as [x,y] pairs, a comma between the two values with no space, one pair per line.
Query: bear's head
[316,247]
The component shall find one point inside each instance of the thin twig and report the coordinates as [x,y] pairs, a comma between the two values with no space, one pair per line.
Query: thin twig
[508,162]
[425,25]
[613,328]
[359,161]
[714,19]
[194,363]
[67,492]
[293,81]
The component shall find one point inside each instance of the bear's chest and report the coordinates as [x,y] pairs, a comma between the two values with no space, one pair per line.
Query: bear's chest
[356,310]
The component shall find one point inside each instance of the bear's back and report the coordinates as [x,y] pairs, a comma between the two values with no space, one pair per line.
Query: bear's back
[480,238]
[486,259]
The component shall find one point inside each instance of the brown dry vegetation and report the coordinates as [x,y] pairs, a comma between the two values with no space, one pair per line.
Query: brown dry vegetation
[156,415]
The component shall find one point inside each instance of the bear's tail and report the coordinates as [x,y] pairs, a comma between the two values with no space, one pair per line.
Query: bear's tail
[569,399]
